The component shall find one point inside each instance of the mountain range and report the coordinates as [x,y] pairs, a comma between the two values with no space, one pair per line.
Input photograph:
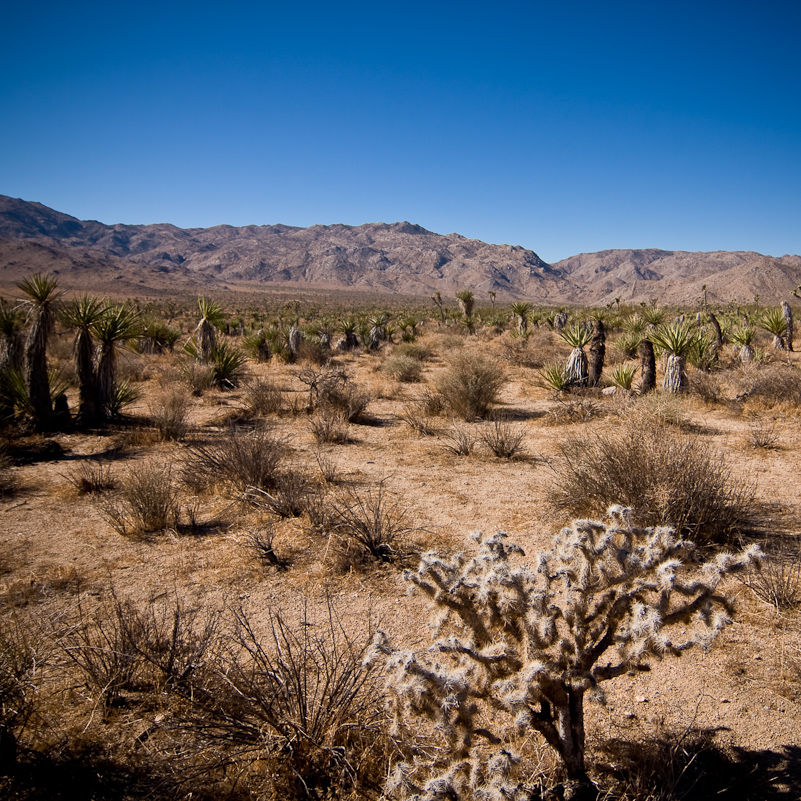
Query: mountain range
[401,258]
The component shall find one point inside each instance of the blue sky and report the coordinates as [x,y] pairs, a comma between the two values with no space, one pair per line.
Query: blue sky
[564,129]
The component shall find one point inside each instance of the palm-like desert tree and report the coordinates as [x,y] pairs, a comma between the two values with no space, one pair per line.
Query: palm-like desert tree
[675,340]
[577,336]
[744,338]
[84,314]
[211,319]
[466,300]
[117,325]
[43,295]
[521,311]
[772,321]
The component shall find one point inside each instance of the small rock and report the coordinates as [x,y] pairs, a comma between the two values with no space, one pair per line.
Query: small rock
[641,699]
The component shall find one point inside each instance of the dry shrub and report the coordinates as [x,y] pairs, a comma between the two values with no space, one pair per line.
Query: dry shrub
[329,426]
[522,351]
[458,441]
[298,702]
[120,648]
[403,368]
[169,412]
[659,409]
[287,497]
[413,350]
[777,580]
[261,543]
[668,479]
[91,477]
[146,502]
[369,522]
[331,388]
[198,377]
[8,481]
[262,397]
[414,414]
[242,459]
[329,471]
[470,384]
[21,659]
[771,385]
[706,386]
[672,765]
[762,434]
[503,438]
[567,412]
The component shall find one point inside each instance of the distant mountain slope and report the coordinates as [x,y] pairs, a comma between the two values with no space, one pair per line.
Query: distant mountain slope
[396,257]
[679,276]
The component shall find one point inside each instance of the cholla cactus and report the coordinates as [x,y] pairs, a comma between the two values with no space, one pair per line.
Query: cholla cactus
[520,645]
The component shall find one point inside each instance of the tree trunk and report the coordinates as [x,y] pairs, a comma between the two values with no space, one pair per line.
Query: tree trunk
[597,353]
[522,324]
[206,340]
[647,367]
[577,367]
[787,313]
[675,377]
[718,332]
[37,379]
[87,380]
[106,374]
[746,354]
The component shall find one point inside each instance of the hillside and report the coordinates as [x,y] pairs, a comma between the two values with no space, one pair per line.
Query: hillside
[398,258]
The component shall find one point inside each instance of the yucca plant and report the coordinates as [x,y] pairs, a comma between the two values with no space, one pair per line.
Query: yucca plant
[702,352]
[774,322]
[743,338]
[623,376]
[466,302]
[156,337]
[577,336]
[228,364]
[211,319]
[43,296]
[554,376]
[84,314]
[675,340]
[521,311]
[12,353]
[118,324]
[628,343]
[347,328]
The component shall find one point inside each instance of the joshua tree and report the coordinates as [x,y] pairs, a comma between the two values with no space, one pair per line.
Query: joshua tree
[743,338]
[437,298]
[492,297]
[84,314]
[650,317]
[211,319]
[378,330]
[597,353]
[348,330]
[466,302]
[520,646]
[674,340]
[43,294]
[577,336]
[787,312]
[774,322]
[117,325]
[521,311]
[12,346]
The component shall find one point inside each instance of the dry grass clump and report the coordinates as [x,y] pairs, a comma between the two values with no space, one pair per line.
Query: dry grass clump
[504,439]
[771,385]
[262,397]
[415,414]
[458,441]
[567,412]
[413,350]
[332,388]
[242,459]
[667,477]
[169,412]
[470,384]
[762,434]
[777,580]
[405,369]
[369,523]
[8,481]
[659,409]
[91,476]
[708,386]
[147,500]
[329,426]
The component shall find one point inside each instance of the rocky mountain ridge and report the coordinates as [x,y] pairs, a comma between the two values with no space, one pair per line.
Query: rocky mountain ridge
[380,257]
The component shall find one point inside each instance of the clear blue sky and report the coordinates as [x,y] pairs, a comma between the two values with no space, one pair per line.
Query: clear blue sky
[564,128]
